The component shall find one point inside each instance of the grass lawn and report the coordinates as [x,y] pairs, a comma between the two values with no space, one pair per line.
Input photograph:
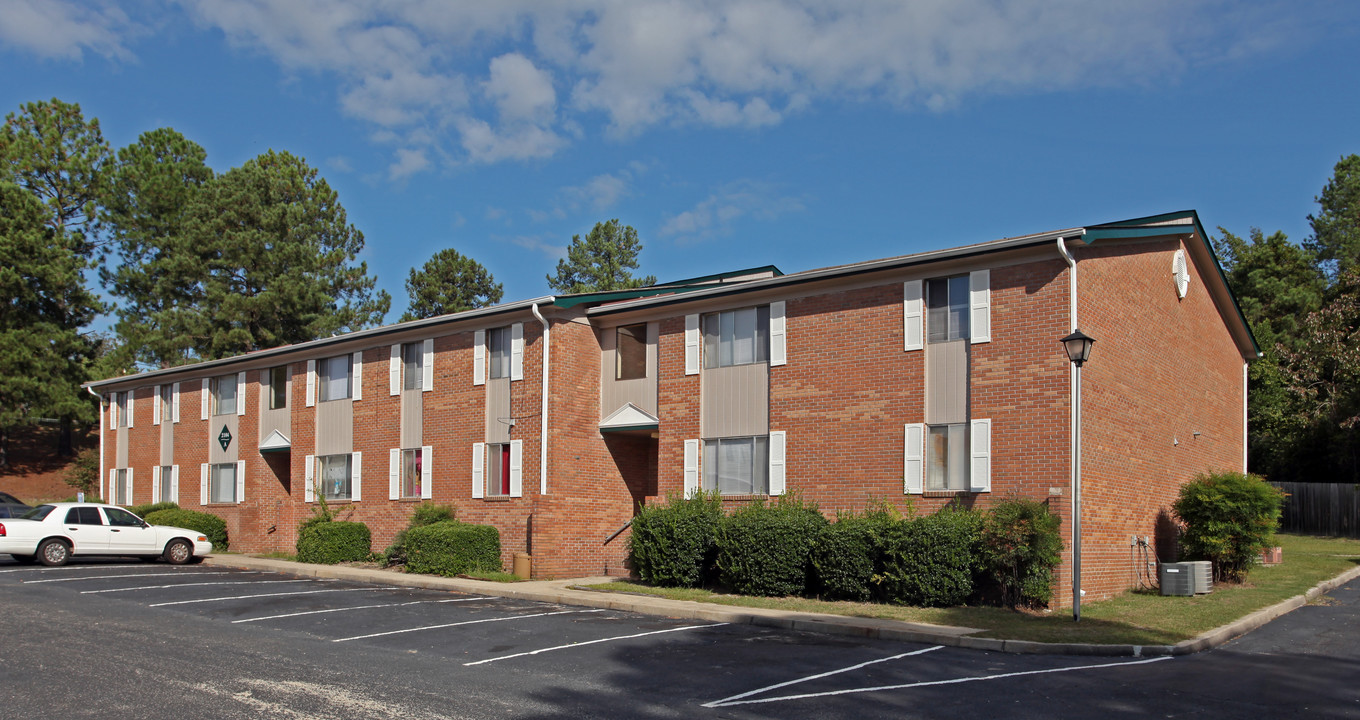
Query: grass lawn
[1136,618]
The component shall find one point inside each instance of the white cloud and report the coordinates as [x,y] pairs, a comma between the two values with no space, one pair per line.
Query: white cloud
[716,215]
[486,144]
[409,162]
[65,30]
[520,90]
[537,244]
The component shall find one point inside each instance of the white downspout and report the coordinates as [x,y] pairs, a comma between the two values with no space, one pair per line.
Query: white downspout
[100,400]
[1074,450]
[543,415]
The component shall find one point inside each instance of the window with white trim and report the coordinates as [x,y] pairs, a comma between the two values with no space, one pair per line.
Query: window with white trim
[737,337]
[947,309]
[167,394]
[737,465]
[224,394]
[122,490]
[334,476]
[121,400]
[411,473]
[278,387]
[165,491]
[498,469]
[947,457]
[333,375]
[222,483]
[413,365]
[498,345]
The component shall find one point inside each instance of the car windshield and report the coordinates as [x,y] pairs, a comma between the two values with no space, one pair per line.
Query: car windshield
[38,513]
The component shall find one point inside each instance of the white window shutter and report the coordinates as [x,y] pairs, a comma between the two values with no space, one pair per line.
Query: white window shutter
[357,381]
[980,300]
[478,461]
[394,473]
[356,480]
[516,468]
[778,343]
[517,351]
[427,365]
[241,393]
[174,404]
[174,483]
[111,401]
[426,472]
[203,399]
[914,452]
[129,499]
[113,480]
[309,477]
[203,484]
[778,449]
[311,383]
[691,467]
[479,357]
[155,481]
[913,315]
[394,372]
[240,481]
[132,415]
[692,344]
[980,444]
[155,404]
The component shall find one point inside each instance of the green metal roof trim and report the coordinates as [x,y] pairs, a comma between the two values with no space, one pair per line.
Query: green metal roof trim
[676,286]
[626,428]
[729,274]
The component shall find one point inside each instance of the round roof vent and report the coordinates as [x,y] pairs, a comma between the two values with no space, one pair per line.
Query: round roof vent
[1180,272]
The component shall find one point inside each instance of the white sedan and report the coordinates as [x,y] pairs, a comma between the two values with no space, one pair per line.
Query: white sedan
[52,533]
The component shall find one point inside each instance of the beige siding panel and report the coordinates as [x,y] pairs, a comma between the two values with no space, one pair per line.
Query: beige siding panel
[121,448]
[167,443]
[615,393]
[232,423]
[277,419]
[735,401]
[335,427]
[412,418]
[947,382]
[498,410]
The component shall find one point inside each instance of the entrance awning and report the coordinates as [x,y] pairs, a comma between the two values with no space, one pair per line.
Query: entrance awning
[629,417]
[276,442]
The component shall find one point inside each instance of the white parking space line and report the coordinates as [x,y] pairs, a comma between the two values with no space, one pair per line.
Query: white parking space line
[179,585]
[247,597]
[465,622]
[592,642]
[358,607]
[133,575]
[44,568]
[732,701]
[729,700]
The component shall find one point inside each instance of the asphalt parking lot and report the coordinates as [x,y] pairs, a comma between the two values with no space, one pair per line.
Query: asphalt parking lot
[520,658]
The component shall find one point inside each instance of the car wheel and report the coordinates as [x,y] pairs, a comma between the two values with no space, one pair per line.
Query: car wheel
[25,559]
[54,553]
[179,552]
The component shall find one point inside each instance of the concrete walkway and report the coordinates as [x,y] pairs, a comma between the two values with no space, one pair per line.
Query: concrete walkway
[567,592]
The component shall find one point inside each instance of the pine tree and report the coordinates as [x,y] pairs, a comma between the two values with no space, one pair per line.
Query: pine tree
[450,282]
[601,261]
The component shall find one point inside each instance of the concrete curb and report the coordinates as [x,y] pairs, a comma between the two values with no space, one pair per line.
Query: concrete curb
[565,592]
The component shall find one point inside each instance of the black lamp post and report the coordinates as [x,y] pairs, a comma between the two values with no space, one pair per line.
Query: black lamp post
[1078,347]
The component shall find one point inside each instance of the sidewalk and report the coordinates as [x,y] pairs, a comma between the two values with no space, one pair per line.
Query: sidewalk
[565,592]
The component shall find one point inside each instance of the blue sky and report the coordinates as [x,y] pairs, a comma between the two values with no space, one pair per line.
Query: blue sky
[733,134]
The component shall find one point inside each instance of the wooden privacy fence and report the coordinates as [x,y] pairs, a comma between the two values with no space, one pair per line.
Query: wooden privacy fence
[1321,508]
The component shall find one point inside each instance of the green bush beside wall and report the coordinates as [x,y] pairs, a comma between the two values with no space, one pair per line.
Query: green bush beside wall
[453,548]
[931,560]
[328,543]
[674,545]
[766,548]
[215,528]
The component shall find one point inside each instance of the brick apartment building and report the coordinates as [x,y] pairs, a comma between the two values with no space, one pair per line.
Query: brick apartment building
[920,379]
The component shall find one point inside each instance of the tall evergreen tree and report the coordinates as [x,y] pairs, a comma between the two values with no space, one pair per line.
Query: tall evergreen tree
[450,282]
[1336,227]
[602,261]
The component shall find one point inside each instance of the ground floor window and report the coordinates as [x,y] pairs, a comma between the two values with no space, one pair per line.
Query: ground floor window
[410,473]
[497,469]
[122,488]
[334,474]
[222,483]
[166,493]
[737,466]
[947,457]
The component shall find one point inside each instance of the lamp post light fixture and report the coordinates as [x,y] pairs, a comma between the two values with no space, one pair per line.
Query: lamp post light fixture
[1078,347]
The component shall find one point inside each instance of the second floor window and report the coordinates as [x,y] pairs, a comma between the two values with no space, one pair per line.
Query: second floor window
[120,401]
[947,309]
[224,395]
[412,365]
[334,376]
[737,337]
[498,343]
[278,387]
[631,352]
[167,403]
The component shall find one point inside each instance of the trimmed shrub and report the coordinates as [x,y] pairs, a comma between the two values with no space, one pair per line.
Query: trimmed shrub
[766,548]
[426,513]
[1021,547]
[850,551]
[1230,517]
[453,548]
[674,545]
[142,511]
[210,525]
[931,560]
[328,543]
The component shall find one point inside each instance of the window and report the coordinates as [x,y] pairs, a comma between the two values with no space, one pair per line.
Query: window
[222,483]
[333,472]
[412,365]
[334,374]
[947,457]
[167,403]
[947,309]
[737,466]
[278,387]
[119,517]
[498,341]
[121,400]
[83,516]
[122,494]
[410,473]
[498,469]
[630,352]
[737,337]
[224,395]
[165,493]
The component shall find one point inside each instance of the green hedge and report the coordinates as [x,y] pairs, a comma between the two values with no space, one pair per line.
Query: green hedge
[453,548]
[850,552]
[210,525]
[328,543]
[765,548]
[142,511]
[1021,546]
[675,544]
[1230,517]
[931,560]
[426,513]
